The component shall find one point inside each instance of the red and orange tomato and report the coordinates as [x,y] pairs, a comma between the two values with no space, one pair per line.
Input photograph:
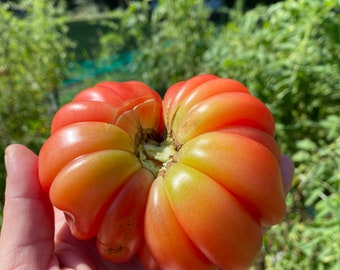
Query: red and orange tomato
[184,183]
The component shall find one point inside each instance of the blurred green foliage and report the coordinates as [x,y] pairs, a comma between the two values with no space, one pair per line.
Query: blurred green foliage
[169,40]
[32,59]
[287,54]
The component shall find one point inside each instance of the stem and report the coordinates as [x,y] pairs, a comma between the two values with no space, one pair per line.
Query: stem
[155,156]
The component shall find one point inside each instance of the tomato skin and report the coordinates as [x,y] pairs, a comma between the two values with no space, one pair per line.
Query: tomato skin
[76,140]
[126,97]
[183,183]
[222,110]
[83,111]
[75,189]
[178,92]
[121,231]
[166,237]
[259,136]
[125,104]
[209,89]
[196,200]
[146,259]
[252,184]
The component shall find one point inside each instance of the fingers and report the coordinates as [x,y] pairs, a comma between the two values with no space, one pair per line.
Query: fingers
[27,229]
[287,171]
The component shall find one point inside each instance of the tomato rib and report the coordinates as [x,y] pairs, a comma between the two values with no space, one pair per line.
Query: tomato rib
[212,218]
[222,110]
[244,167]
[178,92]
[121,231]
[169,244]
[93,179]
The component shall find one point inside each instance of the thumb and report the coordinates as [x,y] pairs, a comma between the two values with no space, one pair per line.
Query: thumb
[28,227]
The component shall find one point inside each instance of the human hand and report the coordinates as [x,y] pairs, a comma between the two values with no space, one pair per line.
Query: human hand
[35,235]
[287,171]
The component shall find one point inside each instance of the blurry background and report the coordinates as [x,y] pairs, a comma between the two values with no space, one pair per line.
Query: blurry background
[286,52]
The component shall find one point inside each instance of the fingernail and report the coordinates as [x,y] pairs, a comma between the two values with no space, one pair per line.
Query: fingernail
[8,156]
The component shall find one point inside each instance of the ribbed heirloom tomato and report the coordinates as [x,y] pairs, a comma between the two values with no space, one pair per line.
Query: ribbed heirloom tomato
[184,183]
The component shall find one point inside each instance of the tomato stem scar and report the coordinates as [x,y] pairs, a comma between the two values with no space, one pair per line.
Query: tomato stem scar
[155,156]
